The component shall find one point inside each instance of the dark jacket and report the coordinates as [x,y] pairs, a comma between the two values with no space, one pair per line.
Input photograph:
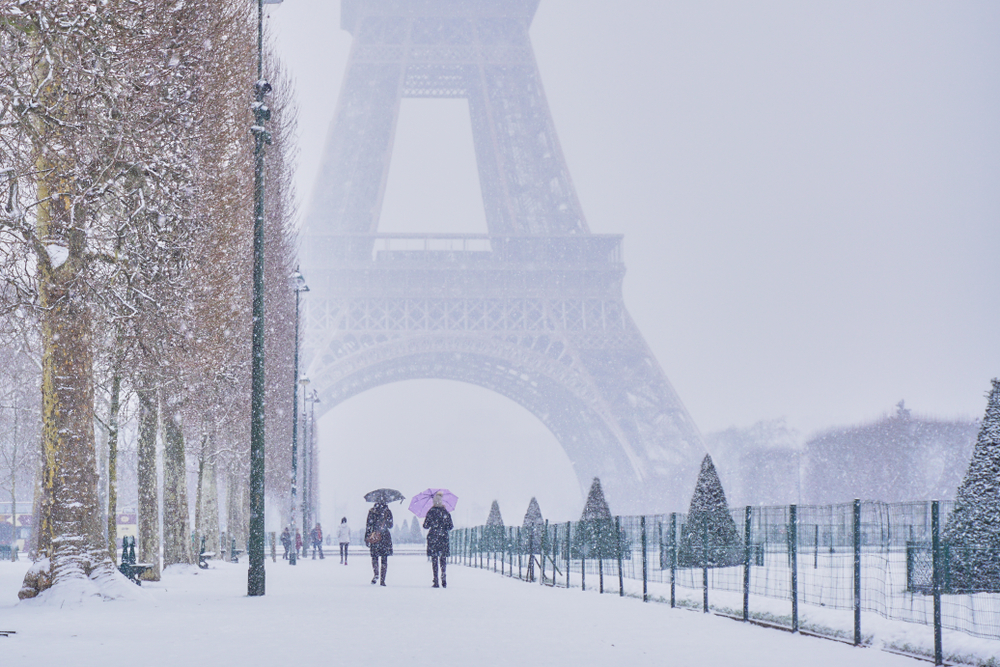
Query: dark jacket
[380,521]
[438,524]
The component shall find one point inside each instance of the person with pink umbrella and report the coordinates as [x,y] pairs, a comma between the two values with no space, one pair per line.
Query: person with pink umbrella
[438,524]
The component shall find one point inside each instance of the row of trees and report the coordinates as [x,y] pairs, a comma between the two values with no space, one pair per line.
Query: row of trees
[125,257]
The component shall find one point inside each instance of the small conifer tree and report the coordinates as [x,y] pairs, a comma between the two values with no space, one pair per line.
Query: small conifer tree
[532,528]
[595,536]
[710,524]
[416,536]
[972,532]
[494,529]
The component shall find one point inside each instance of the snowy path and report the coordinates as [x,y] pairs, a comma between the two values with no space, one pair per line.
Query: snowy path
[320,613]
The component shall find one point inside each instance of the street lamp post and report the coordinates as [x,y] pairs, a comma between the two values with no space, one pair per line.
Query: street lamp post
[262,114]
[313,398]
[305,472]
[299,286]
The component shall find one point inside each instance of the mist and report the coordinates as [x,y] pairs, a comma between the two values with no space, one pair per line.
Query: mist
[808,200]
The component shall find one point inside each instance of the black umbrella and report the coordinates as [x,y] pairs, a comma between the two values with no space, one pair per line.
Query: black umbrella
[384,496]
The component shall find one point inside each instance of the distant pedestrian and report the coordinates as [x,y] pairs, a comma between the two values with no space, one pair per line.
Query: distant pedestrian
[344,537]
[379,539]
[286,541]
[438,524]
[298,544]
[316,535]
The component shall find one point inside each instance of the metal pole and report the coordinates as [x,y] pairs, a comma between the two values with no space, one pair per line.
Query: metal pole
[673,558]
[704,566]
[255,546]
[541,553]
[618,551]
[816,546]
[567,554]
[293,553]
[857,572]
[520,548]
[936,583]
[305,471]
[747,546]
[793,538]
[555,542]
[642,525]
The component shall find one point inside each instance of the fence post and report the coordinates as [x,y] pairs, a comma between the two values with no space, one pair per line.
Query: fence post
[793,537]
[520,548]
[816,546]
[936,580]
[673,558]
[509,545]
[746,562]
[704,566]
[600,573]
[857,572]
[503,553]
[642,525]
[660,551]
[618,551]
[541,553]
[555,549]
[567,554]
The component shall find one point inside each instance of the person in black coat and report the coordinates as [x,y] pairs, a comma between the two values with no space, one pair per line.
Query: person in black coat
[378,538]
[438,524]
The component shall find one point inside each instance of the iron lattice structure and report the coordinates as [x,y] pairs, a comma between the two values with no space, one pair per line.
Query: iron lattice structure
[532,310]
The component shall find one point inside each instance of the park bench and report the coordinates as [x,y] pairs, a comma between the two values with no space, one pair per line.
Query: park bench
[128,566]
[8,552]
[204,556]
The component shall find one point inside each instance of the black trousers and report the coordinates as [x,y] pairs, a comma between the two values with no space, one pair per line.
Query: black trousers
[385,564]
[343,552]
[434,566]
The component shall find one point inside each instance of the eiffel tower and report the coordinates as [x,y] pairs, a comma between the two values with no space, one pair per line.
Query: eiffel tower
[533,309]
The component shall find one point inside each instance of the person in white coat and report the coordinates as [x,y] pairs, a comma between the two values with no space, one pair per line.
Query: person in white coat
[344,537]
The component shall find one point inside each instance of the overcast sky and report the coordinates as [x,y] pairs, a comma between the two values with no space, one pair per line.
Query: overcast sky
[809,193]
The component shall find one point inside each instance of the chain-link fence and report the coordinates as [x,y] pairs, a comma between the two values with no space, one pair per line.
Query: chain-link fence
[761,563]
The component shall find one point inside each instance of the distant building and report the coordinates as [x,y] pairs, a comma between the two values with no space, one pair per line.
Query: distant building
[16,527]
[15,524]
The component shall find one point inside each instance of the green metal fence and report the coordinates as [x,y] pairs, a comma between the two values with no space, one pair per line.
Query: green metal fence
[832,562]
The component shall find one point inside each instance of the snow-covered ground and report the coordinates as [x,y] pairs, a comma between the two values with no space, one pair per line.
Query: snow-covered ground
[322,613]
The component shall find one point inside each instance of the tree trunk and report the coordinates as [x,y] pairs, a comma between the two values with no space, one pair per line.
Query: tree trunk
[176,532]
[70,539]
[149,505]
[207,509]
[237,510]
[116,385]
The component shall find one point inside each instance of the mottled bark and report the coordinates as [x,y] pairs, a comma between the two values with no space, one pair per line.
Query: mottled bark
[116,386]
[69,531]
[149,506]
[176,526]
[237,510]
[207,505]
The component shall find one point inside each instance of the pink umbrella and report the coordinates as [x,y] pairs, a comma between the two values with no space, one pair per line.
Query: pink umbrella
[421,503]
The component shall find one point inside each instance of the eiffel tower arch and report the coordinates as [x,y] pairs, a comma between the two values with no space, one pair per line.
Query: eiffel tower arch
[533,309]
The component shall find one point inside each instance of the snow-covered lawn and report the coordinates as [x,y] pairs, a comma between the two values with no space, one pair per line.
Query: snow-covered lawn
[321,613]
